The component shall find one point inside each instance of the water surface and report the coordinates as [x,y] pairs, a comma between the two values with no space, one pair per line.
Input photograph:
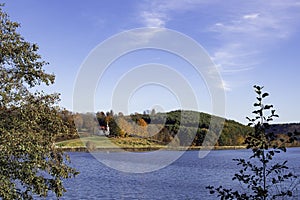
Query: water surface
[184,179]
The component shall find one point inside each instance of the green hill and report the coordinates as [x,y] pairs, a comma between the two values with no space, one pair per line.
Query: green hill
[285,128]
[180,127]
[185,128]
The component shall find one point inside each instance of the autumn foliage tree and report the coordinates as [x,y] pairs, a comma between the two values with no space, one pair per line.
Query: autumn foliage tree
[30,121]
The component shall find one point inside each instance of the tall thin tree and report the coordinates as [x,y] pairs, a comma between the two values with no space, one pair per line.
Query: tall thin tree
[263,178]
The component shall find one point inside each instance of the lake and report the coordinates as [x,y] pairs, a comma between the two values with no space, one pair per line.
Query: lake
[186,178]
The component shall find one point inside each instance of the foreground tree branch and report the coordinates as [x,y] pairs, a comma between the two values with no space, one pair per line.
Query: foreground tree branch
[29,121]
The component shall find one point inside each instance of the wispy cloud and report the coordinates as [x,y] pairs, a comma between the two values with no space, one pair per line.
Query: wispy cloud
[242,30]
[251,16]
[263,25]
[250,31]
[153,19]
[156,13]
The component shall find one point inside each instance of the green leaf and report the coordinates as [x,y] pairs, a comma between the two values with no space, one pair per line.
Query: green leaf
[258,87]
[265,95]
[272,112]
[268,107]
[256,104]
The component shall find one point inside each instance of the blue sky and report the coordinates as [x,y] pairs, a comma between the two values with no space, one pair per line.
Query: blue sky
[250,42]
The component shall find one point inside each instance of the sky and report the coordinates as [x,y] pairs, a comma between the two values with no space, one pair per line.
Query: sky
[249,42]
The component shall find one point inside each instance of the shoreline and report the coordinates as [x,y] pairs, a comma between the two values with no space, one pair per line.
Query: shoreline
[145,149]
[148,149]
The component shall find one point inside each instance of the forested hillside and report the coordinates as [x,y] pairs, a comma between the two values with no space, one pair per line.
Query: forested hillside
[285,128]
[163,127]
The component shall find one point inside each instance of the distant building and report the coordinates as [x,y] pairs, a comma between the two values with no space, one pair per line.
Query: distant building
[104,130]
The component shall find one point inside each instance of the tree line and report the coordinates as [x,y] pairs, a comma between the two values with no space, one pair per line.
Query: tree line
[161,127]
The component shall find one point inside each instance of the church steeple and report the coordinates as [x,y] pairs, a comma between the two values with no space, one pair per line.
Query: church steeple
[107,127]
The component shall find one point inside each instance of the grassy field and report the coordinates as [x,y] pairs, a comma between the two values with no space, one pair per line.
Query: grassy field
[100,142]
[130,143]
